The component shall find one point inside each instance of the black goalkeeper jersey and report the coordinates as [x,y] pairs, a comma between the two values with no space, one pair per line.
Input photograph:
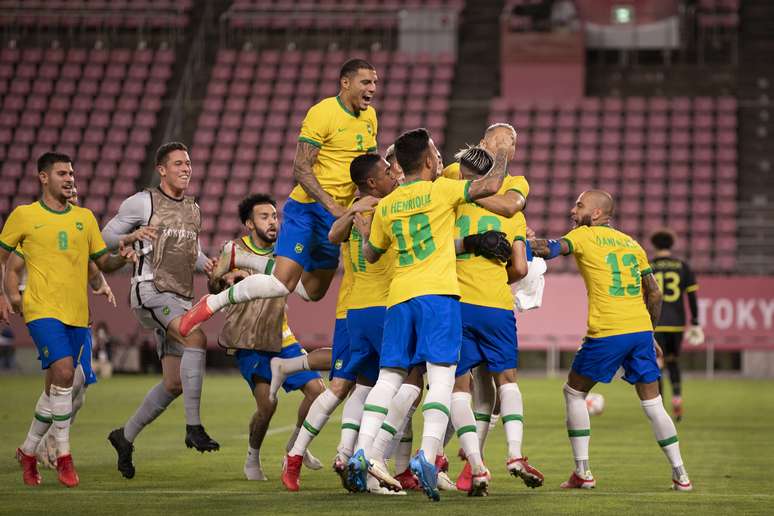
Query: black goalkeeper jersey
[675,278]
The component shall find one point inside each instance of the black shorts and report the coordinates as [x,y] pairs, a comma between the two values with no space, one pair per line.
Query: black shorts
[670,342]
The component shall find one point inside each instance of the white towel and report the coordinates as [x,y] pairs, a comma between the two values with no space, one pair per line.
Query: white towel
[528,291]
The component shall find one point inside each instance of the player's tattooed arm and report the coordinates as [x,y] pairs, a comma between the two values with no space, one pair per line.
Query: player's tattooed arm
[652,297]
[549,248]
[306,155]
[506,205]
[493,180]
[363,224]
[14,269]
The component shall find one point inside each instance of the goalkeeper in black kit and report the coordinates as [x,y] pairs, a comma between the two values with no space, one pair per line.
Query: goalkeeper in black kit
[677,281]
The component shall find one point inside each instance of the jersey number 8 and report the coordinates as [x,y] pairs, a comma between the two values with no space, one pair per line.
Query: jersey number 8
[422,244]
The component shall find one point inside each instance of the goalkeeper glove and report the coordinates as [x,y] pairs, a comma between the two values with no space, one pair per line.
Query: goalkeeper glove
[490,244]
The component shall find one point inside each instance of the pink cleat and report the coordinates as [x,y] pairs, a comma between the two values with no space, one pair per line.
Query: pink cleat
[195,316]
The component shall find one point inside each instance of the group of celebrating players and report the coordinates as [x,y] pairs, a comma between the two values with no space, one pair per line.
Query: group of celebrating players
[428,254]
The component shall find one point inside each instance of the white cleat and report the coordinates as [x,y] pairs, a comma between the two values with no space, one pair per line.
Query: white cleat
[445,483]
[278,376]
[380,472]
[375,488]
[682,484]
[254,472]
[310,461]
[46,451]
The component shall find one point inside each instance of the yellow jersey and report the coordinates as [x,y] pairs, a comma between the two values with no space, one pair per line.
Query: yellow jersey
[371,281]
[484,281]
[612,265]
[416,221]
[345,287]
[341,136]
[288,338]
[57,248]
[452,171]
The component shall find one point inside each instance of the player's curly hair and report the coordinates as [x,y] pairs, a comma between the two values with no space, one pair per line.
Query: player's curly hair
[663,238]
[476,158]
[249,202]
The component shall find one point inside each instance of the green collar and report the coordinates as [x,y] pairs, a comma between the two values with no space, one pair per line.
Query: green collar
[341,104]
[248,240]
[52,210]
[411,182]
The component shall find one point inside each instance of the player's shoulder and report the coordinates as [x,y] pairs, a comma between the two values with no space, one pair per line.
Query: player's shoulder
[369,113]
[25,209]
[452,171]
[517,183]
[81,211]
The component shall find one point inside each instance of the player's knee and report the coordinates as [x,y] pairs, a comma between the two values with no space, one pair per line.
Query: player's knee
[340,387]
[503,377]
[62,373]
[314,388]
[173,386]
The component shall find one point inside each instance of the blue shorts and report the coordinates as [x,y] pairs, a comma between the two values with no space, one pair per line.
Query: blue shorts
[56,340]
[488,337]
[341,354]
[85,361]
[303,236]
[254,364]
[600,358]
[422,329]
[366,326]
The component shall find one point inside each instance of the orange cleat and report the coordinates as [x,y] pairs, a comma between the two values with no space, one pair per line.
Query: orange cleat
[291,471]
[29,465]
[191,320]
[68,477]
[579,482]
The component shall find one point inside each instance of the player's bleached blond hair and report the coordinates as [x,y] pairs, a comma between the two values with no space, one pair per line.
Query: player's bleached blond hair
[476,158]
[499,125]
[390,153]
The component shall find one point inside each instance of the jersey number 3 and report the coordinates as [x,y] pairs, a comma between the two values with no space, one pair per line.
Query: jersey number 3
[422,244]
[628,260]
[669,283]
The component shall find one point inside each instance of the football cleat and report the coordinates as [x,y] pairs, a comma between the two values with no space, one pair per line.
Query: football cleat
[66,470]
[579,482]
[311,462]
[191,320]
[341,469]
[465,478]
[408,481]
[197,437]
[682,484]
[375,488]
[278,377]
[358,471]
[480,483]
[291,472]
[379,471]
[519,467]
[46,451]
[254,472]
[441,463]
[427,475]
[29,467]
[124,449]
[677,408]
[445,483]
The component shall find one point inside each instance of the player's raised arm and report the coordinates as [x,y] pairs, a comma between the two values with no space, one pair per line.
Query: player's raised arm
[507,204]
[306,155]
[652,297]
[493,180]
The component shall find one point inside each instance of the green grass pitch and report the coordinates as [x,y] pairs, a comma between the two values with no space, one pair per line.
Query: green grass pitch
[726,440]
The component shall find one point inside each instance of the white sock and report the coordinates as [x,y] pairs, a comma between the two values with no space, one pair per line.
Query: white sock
[295,364]
[253,456]
[61,410]
[79,391]
[578,427]
[483,404]
[396,416]
[376,406]
[512,412]
[465,424]
[253,261]
[252,287]
[351,415]
[664,430]
[404,445]
[300,291]
[321,409]
[435,410]
[39,426]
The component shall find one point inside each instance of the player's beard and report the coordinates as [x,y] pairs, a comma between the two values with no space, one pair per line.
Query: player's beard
[263,236]
[585,221]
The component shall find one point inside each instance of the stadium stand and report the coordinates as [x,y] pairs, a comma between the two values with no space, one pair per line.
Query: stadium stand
[248,128]
[668,161]
[97,105]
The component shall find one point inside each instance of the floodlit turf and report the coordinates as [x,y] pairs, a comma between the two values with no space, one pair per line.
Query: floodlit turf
[726,439]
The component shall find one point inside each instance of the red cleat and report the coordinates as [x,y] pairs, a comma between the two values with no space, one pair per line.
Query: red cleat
[291,471]
[408,481]
[29,466]
[441,463]
[66,469]
[191,320]
[578,482]
[465,480]
[519,467]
